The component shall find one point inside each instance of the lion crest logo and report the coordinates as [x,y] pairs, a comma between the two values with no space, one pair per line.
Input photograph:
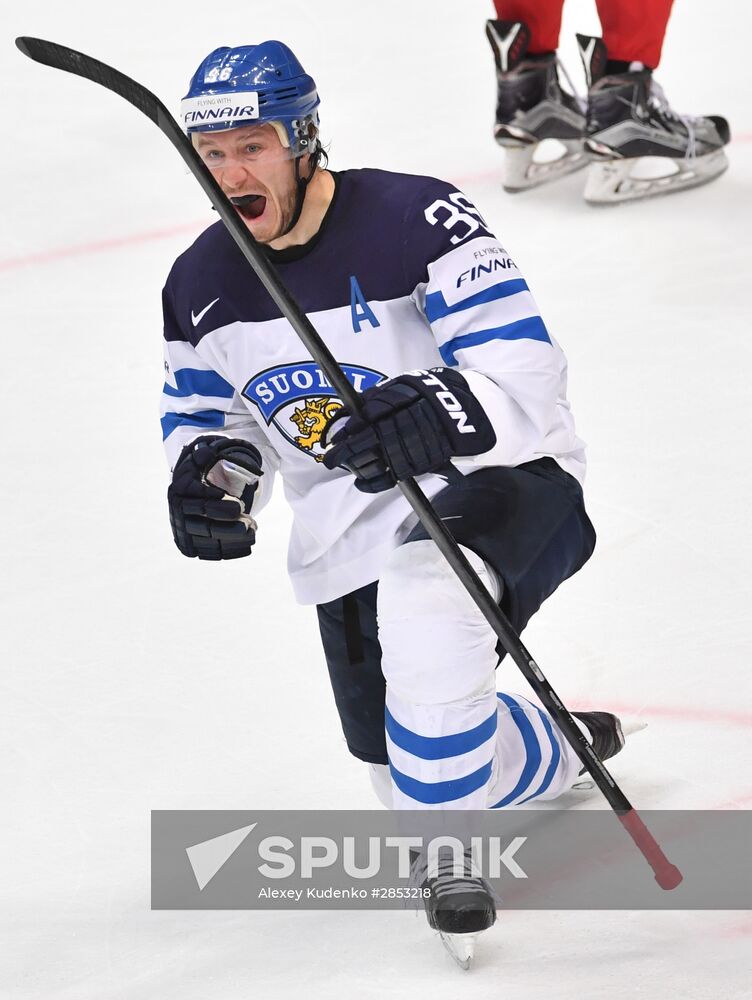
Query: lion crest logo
[298,399]
[311,418]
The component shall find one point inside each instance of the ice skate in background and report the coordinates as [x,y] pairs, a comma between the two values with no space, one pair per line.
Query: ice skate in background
[533,107]
[639,146]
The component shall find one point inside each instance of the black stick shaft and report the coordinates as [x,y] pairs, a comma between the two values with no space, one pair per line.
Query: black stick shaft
[61,57]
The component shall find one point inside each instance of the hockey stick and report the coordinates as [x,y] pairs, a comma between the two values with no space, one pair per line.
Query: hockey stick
[63,58]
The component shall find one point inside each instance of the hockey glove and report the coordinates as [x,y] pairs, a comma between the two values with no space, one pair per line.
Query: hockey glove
[409,425]
[210,498]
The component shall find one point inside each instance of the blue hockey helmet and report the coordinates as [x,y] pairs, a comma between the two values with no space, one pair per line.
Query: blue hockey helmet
[252,85]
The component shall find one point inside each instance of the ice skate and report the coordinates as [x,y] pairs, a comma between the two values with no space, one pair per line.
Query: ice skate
[532,108]
[640,147]
[608,735]
[460,907]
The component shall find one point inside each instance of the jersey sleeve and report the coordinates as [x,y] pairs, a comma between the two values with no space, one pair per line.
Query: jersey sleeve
[486,324]
[197,400]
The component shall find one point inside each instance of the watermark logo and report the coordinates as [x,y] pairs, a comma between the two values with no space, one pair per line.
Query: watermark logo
[281,857]
[530,859]
[209,856]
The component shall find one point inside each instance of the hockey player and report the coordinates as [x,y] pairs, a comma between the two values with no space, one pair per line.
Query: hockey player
[626,130]
[424,309]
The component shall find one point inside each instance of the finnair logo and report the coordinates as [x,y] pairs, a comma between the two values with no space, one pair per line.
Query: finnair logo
[219,108]
[478,270]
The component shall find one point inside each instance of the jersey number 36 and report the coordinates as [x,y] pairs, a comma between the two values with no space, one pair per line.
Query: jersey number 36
[458,211]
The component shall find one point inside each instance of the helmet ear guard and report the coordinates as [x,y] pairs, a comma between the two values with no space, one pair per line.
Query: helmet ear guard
[282,135]
[305,132]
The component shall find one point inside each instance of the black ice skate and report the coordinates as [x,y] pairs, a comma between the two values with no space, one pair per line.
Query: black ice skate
[640,146]
[607,737]
[459,907]
[533,107]
[606,734]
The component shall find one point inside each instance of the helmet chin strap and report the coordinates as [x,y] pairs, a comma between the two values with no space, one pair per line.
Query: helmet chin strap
[301,184]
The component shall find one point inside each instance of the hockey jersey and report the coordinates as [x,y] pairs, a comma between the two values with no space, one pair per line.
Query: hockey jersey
[403,274]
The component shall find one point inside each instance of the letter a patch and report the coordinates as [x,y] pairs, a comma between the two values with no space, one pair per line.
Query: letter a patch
[360,311]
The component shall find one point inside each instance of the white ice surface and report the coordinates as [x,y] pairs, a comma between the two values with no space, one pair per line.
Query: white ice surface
[134,679]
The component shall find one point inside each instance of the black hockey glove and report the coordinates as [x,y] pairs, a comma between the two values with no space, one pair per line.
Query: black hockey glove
[211,495]
[409,425]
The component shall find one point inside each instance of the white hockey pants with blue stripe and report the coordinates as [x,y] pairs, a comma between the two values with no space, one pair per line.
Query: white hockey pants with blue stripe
[453,741]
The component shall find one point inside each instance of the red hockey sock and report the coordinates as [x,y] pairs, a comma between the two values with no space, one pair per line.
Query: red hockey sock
[543,18]
[633,30]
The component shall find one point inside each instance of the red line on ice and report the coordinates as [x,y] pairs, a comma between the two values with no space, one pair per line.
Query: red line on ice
[81,249]
[738,802]
[680,713]
[96,246]
[743,928]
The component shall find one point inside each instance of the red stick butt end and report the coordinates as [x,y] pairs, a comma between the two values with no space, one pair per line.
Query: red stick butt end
[667,875]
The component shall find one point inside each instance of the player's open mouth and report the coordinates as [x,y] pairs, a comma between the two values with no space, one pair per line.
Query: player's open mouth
[250,206]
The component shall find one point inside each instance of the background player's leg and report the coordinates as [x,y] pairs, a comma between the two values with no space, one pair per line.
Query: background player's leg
[633,30]
[542,17]
[638,144]
[532,108]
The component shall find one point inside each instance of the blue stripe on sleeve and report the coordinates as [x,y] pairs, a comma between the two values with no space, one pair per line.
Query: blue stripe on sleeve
[201,418]
[436,307]
[195,382]
[555,757]
[532,750]
[435,792]
[531,328]
[439,747]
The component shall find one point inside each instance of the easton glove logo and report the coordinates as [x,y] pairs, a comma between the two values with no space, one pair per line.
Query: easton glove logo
[448,400]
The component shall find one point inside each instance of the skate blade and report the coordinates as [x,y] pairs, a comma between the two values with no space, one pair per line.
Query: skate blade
[631,726]
[523,171]
[461,947]
[613,182]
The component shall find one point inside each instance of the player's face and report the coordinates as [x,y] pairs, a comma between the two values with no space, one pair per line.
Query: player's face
[251,161]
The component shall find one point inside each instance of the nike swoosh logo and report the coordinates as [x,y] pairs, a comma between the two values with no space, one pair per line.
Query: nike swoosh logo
[196,319]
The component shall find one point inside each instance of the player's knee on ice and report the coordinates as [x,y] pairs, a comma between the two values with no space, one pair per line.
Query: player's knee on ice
[381,782]
[437,647]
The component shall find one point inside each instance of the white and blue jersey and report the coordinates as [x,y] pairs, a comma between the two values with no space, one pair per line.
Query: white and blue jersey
[403,274]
